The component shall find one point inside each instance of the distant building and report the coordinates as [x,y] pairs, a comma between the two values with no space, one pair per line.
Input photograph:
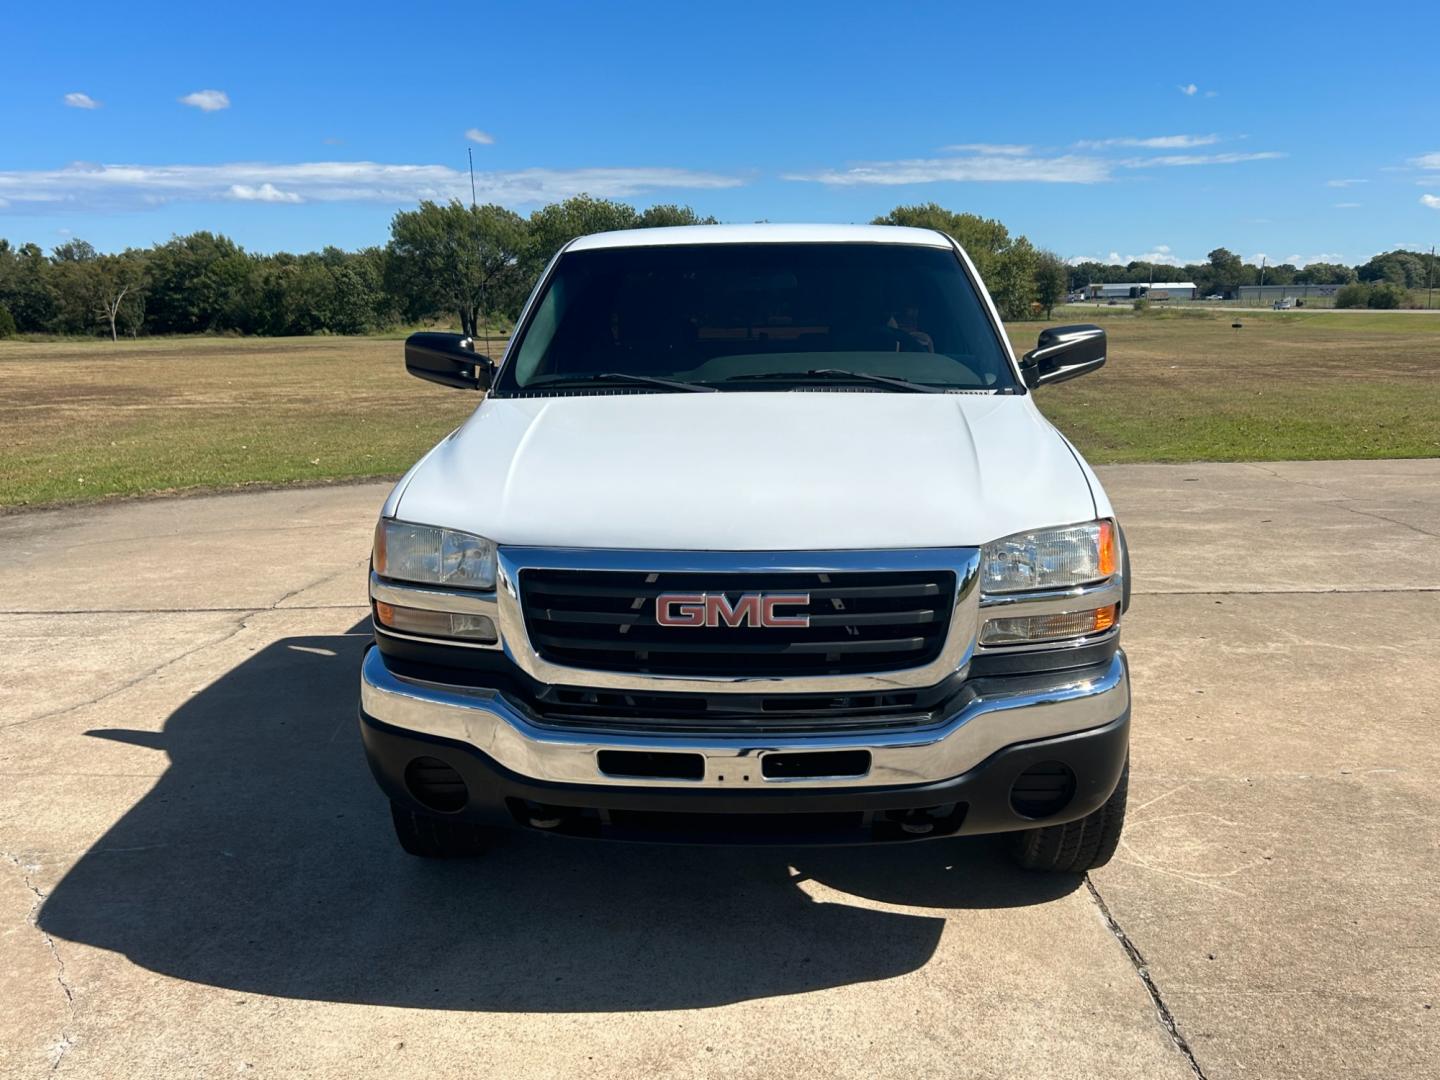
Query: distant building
[1144,290]
[1265,295]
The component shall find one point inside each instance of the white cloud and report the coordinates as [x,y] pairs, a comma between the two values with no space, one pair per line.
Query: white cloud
[1344,183]
[207,100]
[1427,161]
[1160,254]
[1303,261]
[475,135]
[981,168]
[1154,142]
[1432,201]
[1170,160]
[266,192]
[1346,205]
[78,100]
[1188,89]
[83,186]
[1003,149]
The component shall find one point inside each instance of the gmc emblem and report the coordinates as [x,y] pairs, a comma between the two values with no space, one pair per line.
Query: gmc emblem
[715,609]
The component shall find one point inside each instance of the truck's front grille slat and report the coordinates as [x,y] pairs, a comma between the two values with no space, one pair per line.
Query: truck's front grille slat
[858,621]
[651,645]
[645,589]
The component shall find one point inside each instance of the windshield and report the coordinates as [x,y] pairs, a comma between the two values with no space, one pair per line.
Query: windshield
[757,317]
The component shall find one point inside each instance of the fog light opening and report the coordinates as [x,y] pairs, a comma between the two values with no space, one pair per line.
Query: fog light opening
[1042,790]
[436,786]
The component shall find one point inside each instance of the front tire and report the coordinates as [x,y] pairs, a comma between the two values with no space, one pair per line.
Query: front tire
[1076,846]
[429,837]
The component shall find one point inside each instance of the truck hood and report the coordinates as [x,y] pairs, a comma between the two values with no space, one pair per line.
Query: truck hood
[750,472]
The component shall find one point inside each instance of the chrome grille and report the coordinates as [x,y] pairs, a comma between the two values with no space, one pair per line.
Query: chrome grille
[859,621]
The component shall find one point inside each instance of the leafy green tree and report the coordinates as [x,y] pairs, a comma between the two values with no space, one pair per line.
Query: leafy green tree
[1406,269]
[1088,273]
[197,284]
[1012,284]
[555,225]
[984,239]
[1226,270]
[1354,295]
[7,323]
[75,285]
[1324,274]
[1051,279]
[26,287]
[1388,295]
[457,258]
[666,214]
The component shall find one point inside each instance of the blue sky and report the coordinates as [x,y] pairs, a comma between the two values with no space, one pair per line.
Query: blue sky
[1098,131]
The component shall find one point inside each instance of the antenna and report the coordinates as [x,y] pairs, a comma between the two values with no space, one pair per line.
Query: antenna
[484,328]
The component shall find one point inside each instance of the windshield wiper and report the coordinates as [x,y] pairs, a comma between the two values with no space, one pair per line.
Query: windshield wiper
[618,376]
[841,375]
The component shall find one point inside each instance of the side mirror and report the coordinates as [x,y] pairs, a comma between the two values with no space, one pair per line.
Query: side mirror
[1063,352]
[448,359]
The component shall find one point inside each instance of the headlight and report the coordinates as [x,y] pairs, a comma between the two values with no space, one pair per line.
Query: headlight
[1049,558]
[431,556]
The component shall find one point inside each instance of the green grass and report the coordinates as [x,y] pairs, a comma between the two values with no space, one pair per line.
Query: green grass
[85,420]
[1286,385]
[82,420]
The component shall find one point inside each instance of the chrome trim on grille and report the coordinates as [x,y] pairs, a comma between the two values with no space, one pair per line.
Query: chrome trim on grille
[964,563]
[985,721]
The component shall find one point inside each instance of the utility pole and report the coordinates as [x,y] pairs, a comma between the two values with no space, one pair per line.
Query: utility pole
[1430,278]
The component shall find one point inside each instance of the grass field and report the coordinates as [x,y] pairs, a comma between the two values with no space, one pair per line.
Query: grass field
[85,420]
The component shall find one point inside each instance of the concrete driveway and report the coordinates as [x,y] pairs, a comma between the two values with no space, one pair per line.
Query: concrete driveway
[198,877]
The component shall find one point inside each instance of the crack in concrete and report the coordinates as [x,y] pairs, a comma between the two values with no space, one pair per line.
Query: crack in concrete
[1381,517]
[66,1040]
[1339,499]
[1142,969]
[241,626]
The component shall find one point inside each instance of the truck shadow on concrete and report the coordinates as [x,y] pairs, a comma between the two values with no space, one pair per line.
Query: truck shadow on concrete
[263,861]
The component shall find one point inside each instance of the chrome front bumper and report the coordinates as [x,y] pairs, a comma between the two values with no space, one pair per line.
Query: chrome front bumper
[1015,711]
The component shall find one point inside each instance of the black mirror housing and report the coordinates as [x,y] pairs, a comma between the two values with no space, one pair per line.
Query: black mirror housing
[448,359]
[1064,352]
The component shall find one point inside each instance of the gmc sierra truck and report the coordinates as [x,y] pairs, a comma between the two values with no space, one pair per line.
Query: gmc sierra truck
[756,536]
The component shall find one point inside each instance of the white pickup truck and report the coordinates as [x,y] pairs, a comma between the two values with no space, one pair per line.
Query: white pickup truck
[757,536]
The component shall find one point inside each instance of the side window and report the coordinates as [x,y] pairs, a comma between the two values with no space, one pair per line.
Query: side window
[542,330]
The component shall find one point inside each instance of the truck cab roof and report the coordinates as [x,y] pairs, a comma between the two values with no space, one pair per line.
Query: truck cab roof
[762,234]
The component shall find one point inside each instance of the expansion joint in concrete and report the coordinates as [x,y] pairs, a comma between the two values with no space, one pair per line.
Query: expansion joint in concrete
[1142,969]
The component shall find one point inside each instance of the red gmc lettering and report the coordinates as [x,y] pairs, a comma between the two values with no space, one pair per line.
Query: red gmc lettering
[716,609]
[768,604]
[680,609]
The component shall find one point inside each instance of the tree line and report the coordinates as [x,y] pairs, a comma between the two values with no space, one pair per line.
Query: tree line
[1384,281]
[474,263]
